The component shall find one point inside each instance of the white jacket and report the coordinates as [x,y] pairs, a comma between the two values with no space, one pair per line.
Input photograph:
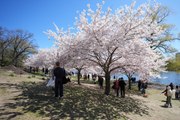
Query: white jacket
[169,91]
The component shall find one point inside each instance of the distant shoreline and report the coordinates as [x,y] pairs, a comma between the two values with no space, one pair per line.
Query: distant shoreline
[156,86]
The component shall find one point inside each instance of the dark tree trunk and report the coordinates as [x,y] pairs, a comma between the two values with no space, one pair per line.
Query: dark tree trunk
[78,76]
[2,57]
[107,78]
[129,82]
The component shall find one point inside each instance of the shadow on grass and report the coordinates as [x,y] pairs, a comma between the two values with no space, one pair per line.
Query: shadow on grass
[4,91]
[77,103]
[9,114]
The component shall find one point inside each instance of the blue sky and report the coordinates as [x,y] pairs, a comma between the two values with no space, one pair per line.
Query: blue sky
[36,16]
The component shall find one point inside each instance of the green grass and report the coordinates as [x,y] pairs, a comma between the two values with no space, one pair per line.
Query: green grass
[38,74]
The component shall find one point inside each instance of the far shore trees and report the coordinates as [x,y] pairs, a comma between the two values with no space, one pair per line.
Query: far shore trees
[15,46]
[173,64]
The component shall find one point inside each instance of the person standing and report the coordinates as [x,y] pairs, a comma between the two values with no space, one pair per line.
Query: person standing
[171,85]
[43,70]
[116,87]
[46,71]
[139,85]
[59,74]
[122,87]
[88,76]
[143,87]
[100,81]
[177,92]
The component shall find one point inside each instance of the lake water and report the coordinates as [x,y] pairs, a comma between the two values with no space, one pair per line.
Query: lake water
[168,77]
[165,78]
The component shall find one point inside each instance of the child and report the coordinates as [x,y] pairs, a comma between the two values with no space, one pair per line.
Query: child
[165,91]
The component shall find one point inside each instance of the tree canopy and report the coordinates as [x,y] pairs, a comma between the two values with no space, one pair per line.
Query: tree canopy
[15,46]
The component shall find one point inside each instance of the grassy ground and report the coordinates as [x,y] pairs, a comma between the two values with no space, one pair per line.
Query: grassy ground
[27,97]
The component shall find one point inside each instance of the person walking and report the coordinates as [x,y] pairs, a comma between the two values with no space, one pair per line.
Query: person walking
[144,87]
[169,97]
[165,93]
[59,74]
[122,87]
[139,85]
[116,87]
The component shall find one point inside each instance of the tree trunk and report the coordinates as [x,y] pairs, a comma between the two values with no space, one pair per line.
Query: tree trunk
[2,60]
[107,87]
[2,57]
[129,81]
[79,71]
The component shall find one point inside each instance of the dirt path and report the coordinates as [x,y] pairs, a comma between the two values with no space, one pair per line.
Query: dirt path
[155,102]
[9,90]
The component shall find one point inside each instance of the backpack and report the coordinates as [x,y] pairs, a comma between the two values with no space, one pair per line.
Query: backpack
[66,80]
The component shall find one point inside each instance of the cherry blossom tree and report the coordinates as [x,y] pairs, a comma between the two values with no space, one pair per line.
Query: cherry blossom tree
[110,36]
[124,40]
[71,49]
[45,58]
[143,62]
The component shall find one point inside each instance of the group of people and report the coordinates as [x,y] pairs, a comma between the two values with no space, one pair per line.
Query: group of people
[36,70]
[168,92]
[45,71]
[119,85]
[87,77]
[33,69]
